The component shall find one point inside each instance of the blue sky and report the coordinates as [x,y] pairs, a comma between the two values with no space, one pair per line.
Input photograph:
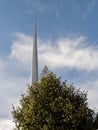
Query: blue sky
[67,43]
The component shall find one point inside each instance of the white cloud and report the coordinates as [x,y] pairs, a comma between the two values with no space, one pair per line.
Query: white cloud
[11,87]
[65,52]
[91,87]
[21,49]
[6,124]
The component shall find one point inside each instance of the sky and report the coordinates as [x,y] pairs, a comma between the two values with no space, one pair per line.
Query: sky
[67,43]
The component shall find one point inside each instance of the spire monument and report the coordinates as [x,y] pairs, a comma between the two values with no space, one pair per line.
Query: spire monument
[34,70]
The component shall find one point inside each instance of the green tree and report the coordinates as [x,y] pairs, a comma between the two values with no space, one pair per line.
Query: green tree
[53,105]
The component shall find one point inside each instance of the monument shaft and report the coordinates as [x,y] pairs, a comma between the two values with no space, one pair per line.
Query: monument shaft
[34,57]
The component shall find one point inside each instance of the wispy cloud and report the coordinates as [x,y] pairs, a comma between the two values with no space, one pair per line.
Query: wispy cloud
[6,125]
[21,49]
[83,9]
[91,87]
[64,52]
[90,7]
[36,6]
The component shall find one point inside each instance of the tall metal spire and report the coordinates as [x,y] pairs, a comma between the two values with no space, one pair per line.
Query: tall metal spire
[34,71]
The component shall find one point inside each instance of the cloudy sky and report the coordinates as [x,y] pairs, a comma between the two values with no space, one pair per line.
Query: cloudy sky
[67,43]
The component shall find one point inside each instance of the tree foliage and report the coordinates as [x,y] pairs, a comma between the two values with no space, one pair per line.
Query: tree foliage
[53,105]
